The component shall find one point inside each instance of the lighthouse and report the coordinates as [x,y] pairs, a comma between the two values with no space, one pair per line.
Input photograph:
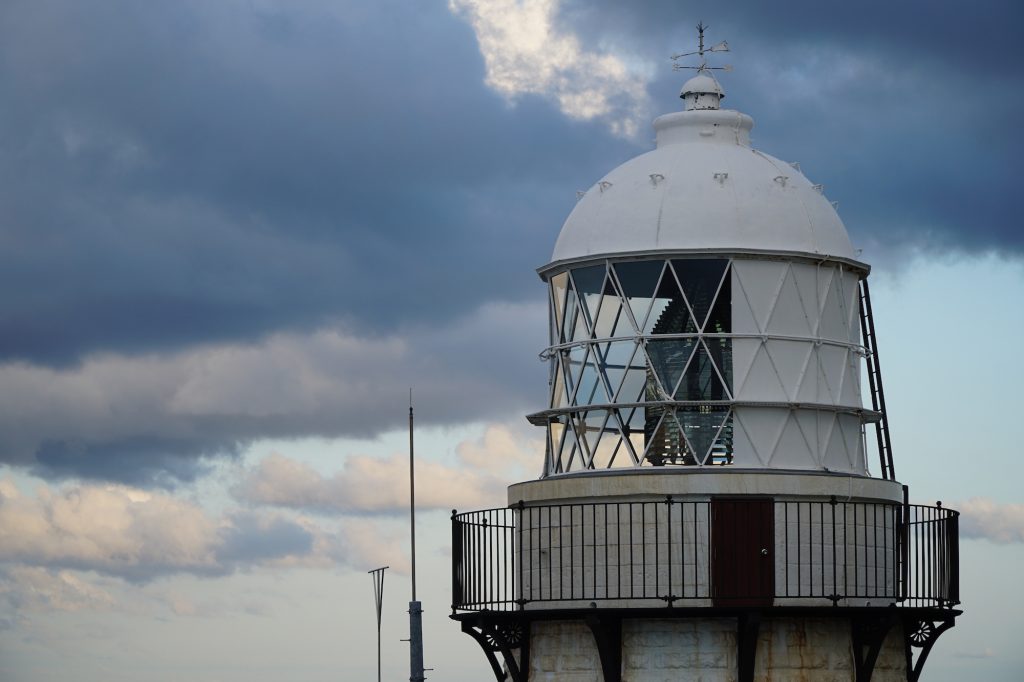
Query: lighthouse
[718,498]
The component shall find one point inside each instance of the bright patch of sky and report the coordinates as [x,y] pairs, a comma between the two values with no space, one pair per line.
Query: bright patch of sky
[949,343]
[526,52]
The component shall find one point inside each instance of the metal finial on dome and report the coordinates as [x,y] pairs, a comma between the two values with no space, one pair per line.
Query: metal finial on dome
[702,91]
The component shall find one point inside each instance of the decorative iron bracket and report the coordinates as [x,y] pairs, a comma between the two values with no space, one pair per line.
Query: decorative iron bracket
[921,632]
[503,637]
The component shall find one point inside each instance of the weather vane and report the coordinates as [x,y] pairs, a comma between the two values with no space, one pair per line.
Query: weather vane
[701,51]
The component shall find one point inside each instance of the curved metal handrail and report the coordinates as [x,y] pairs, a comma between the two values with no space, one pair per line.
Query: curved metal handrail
[663,553]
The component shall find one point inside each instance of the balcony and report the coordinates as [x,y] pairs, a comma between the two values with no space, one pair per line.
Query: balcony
[715,554]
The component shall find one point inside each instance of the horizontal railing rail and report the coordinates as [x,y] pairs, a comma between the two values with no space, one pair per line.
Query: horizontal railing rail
[677,552]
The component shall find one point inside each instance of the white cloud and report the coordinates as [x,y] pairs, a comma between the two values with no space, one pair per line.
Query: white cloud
[139,535]
[209,399]
[525,52]
[983,518]
[43,589]
[106,528]
[371,485]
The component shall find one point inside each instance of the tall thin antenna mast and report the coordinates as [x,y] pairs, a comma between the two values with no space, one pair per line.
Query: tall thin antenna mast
[415,610]
[412,499]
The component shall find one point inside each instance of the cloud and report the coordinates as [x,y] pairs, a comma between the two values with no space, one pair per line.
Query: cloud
[140,535]
[35,588]
[111,529]
[201,173]
[372,485]
[983,518]
[235,220]
[527,52]
[913,173]
[205,172]
[159,418]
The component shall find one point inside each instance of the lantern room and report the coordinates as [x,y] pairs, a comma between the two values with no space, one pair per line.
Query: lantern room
[705,312]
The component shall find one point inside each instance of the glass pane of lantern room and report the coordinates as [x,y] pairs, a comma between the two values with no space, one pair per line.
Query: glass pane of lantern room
[700,279]
[556,434]
[614,359]
[701,381]
[609,317]
[572,367]
[669,314]
[665,444]
[633,422]
[558,287]
[589,286]
[668,359]
[720,351]
[571,313]
[591,386]
[719,319]
[558,397]
[634,382]
[638,280]
[702,424]
[591,429]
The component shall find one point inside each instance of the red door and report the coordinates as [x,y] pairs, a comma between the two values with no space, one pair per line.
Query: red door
[742,551]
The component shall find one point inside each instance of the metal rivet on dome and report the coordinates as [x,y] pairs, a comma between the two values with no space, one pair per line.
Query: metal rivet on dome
[603,185]
[656,178]
[835,204]
[796,166]
[721,177]
[781,179]
[580,194]
[820,189]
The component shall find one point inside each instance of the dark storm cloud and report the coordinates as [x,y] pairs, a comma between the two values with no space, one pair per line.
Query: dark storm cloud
[182,172]
[908,112]
[140,459]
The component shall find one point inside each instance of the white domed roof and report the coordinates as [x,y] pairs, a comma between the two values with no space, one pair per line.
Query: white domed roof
[702,84]
[703,187]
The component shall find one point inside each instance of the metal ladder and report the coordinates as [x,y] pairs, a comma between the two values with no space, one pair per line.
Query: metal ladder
[867,326]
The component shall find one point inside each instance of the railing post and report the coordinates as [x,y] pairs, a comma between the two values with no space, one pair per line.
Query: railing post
[456,561]
[953,535]
[835,577]
[939,554]
[517,521]
[668,552]
[905,545]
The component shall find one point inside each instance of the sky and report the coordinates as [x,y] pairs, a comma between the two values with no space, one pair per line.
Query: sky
[233,233]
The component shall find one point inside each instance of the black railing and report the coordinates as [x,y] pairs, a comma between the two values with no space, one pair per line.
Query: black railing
[705,554]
